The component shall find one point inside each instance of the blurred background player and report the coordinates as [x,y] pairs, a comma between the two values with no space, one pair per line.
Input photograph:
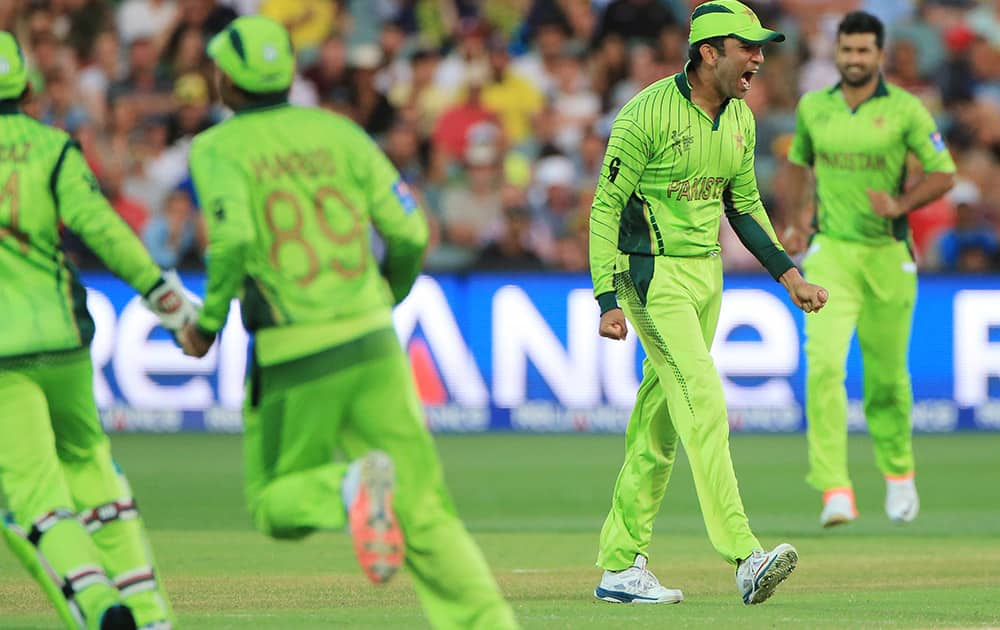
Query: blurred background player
[680,153]
[856,137]
[72,520]
[289,195]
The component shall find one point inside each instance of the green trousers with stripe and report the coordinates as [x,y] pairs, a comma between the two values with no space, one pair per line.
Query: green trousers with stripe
[673,304]
[354,398]
[873,290]
[56,458]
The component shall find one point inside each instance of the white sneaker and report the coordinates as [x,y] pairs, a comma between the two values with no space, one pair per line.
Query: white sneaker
[762,572]
[635,585]
[838,507]
[901,501]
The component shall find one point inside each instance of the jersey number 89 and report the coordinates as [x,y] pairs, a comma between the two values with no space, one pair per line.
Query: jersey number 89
[349,253]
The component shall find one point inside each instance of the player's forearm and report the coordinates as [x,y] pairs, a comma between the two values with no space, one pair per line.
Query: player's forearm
[757,235]
[225,272]
[401,267]
[930,187]
[121,251]
[602,251]
[791,278]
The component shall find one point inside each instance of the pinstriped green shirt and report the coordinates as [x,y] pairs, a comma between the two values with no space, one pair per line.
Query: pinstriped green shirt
[853,150]
[669,173]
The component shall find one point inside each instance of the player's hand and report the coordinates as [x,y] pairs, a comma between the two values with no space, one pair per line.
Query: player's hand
[794,240]
[884,204]
[613,324]
[170,301]
[809,297]
[193,341]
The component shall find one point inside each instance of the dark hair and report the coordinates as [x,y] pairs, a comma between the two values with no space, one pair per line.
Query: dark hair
[694,52]
[258,99]
[861,22]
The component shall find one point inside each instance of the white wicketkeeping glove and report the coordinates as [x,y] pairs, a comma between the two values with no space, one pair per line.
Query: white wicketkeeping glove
[171,302]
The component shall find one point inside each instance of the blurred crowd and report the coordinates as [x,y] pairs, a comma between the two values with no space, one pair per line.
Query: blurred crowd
[496,112]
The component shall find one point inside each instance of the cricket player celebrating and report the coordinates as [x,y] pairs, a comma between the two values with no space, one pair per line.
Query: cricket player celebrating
[855,136]
[289,196]
[72,520]
[681,152]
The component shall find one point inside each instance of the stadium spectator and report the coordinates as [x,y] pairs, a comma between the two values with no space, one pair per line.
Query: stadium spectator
[513,99]
[170,235]
[141,19]
[99,70]
[419,95]
[191,114]
[369,107]
[634,19]
[329,75]
[575,105]
[145,84]
[471,207]
[971,245]
[510,250]
[540,64]
[112,180]
[451,134]
[61,106]
[469,55]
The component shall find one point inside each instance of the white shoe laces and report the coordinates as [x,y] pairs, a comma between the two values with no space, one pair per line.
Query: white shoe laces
[645,581]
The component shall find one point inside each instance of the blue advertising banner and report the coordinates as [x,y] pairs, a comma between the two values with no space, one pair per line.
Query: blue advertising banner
[520,352]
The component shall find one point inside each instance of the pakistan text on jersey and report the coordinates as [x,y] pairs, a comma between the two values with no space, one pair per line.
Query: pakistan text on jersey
[852,161]
[307,163]
[15,152]
[697,188]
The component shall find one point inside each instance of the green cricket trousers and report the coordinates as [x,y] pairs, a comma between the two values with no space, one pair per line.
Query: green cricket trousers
[873,290]
[673,304]
[72,521]
[356,397]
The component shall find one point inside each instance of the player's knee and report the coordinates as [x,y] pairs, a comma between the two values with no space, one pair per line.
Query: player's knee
[826,370]
[83,452]
[886,394]
[272,519]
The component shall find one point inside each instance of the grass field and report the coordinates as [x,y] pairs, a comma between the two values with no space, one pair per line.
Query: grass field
[536,503]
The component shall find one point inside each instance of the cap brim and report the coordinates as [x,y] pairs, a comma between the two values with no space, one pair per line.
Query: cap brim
[759,36]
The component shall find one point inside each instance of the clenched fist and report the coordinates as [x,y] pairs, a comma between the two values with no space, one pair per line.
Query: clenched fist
[613,324]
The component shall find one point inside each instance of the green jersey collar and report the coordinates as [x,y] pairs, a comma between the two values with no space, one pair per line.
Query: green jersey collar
[9,107]
[880,90]
[263,104]
[684,87]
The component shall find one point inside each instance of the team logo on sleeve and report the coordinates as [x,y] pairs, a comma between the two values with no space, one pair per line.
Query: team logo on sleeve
[613,169]
[937,141]
[92,182]
[405,196]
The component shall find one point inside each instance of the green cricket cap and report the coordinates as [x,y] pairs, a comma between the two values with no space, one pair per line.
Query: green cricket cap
[13,72]
[729,18]
[256,53]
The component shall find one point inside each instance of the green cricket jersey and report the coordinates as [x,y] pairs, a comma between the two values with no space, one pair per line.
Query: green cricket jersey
[289,195]
[865,148]
[45,182]
[668,174]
